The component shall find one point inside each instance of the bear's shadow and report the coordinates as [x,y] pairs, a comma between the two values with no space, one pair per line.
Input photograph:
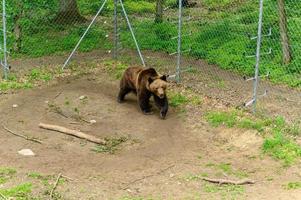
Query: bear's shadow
[132,102]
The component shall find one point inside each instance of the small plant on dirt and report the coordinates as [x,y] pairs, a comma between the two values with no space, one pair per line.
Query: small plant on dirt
[293,185]
[20,192]
[279,146]
[115,69]
[177,99]
[226,191]
[76,110]
[56,109]
[6,174]
[222,118]
[282,148]
[13,85]
[39,75]
[226,168]
[111,146]
[67,102]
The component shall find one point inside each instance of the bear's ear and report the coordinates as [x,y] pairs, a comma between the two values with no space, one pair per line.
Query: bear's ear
[164,77]
[150,80]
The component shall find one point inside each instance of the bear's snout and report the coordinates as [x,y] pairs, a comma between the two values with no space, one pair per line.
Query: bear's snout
[161,96]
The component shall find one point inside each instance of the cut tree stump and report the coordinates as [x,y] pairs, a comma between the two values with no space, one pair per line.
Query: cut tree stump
[75,133]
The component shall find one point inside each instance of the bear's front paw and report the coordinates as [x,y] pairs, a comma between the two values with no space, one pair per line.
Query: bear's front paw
[162,115]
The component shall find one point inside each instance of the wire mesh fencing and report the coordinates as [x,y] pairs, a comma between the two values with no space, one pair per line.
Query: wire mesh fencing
[217,42]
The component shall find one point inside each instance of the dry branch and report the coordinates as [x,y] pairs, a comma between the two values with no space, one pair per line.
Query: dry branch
[224,181]
[55,185]
[22,136]
[75,133]
[148,176]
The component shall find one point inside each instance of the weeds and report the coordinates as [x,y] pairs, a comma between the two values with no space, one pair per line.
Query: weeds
[177,99]
[20,192]
[6,174]
[293,185]
[115,69]
[282,148]
[278,145]
[111,146]
[226,191]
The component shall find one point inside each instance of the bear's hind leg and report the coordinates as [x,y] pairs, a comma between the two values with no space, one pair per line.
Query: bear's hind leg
[122,93]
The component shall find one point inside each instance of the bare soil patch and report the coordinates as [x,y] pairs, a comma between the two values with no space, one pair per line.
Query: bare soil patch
[161,159]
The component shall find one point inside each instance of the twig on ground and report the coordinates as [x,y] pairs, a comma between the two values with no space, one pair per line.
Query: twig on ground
[145,177]
[224,181]
[55,185]
[68,178]
[22,136]
[75,133]
[56,96]
[3,197]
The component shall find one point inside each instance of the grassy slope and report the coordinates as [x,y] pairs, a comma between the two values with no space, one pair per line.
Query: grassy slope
[221,30]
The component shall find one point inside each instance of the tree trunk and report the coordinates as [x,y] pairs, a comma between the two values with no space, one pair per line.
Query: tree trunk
[17,29]
[69,12]
[159,11]
[287,57]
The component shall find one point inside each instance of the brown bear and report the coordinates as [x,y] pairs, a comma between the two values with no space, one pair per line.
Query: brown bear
[145,82]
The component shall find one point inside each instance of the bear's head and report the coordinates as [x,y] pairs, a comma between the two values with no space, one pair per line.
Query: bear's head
[157,85]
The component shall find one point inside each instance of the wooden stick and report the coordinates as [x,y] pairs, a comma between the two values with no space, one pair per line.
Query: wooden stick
[22,136]
[145,177]
[55,185]
[75,133]
[224,181]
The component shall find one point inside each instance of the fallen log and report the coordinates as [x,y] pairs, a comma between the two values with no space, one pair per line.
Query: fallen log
[75,133]
[224,181]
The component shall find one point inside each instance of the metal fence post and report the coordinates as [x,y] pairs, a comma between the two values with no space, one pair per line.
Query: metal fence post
[256,77]
[178,75]
[5,66]
[115,30]
[85,33]
[132,32]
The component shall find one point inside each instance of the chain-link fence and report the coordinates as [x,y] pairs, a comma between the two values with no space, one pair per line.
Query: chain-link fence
[218,42]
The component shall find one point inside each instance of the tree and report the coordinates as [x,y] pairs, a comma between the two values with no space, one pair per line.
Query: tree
[159,11]
[287,57]
[68,12]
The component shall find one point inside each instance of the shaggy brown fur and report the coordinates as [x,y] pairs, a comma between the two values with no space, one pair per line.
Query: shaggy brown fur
[145,83]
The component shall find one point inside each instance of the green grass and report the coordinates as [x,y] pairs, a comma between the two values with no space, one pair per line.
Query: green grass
[223,32]
[6,174]
[226,168]
[222,118]
[20,192]
[13,85]
[282,148]
[279,145]
[226,191]
[115,69]
[177,99]
[293,185]
[40,75]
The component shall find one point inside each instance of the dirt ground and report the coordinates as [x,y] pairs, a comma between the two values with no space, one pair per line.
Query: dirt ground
[161,159]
